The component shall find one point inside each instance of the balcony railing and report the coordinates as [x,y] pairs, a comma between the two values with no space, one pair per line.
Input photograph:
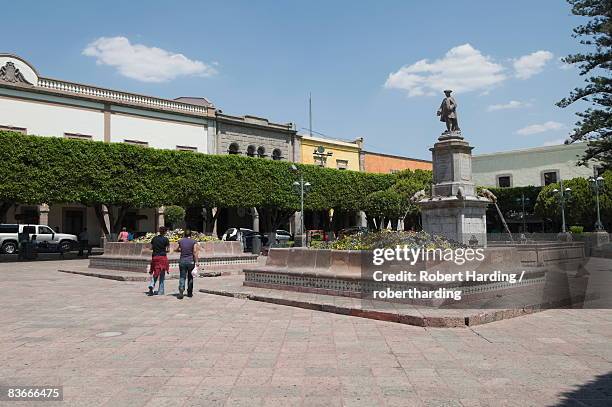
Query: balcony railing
[122,97]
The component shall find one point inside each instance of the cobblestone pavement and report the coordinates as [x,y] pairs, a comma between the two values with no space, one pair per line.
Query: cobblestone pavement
[217,351]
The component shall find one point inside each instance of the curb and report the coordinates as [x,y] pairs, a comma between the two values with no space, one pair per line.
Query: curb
[415,320]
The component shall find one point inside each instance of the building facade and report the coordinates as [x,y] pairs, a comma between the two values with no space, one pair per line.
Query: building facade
[36,105]
[255,137]
[330,153]
[538,166]
[388,164]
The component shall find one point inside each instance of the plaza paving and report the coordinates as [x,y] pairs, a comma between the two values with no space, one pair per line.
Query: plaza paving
[215,351]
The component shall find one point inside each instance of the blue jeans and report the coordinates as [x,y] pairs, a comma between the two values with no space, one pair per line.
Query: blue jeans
[161,278]
[185,268]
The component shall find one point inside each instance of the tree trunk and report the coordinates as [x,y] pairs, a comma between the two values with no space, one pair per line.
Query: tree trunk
[210,218]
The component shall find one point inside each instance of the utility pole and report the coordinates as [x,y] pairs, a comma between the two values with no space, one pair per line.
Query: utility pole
[310,114]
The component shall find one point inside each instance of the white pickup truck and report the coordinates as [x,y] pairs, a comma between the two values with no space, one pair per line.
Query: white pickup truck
[46,238]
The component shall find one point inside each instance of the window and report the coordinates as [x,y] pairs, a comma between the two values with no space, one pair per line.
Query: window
[136,143]
[261,152]
[233,149]
[251,151]
[78,136]
[504,181]
[21,130]
[550,177]
[342,164]
[43,230]
[186,148]
[9,228]
[277,154]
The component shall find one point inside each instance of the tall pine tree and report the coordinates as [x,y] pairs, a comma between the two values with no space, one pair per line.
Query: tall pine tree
[595,124]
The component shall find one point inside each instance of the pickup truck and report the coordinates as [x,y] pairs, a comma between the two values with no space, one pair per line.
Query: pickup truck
[46,238]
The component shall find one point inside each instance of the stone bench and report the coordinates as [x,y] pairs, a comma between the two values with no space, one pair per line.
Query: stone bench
[137,256]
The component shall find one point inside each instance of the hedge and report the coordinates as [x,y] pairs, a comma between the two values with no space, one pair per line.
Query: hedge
[36,169]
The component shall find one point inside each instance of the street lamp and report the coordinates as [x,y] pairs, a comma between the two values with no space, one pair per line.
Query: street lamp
[563,195]
[523,200]
[597,184]
[302,187]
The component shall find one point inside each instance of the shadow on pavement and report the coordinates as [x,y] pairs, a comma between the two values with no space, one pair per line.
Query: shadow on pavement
[597,392]
[14,258]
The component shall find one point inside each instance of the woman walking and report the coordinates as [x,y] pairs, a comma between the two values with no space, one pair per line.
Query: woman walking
[159,261]
[188,260]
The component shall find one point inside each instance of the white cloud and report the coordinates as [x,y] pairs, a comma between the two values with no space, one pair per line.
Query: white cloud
[462,69]
[513,104]
[528,65]
[540,128]
[147,64]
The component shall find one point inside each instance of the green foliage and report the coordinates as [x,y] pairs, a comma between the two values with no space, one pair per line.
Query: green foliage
[410,182]
[510,199]
[384,204]
[174,215]
[579,207]
[388,239]
[595,124]
[576,229]
[54,170]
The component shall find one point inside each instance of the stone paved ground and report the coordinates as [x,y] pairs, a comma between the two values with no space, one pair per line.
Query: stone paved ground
[216,351]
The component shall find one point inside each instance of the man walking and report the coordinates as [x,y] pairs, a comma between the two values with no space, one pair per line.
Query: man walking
[159,261]
[188,260]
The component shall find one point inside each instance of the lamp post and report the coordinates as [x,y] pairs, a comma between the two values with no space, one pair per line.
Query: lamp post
[597,184]
[302,188]
[563,195]
[523,200]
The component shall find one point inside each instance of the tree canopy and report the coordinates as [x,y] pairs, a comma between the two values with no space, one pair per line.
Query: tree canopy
[595,124]
[37,169]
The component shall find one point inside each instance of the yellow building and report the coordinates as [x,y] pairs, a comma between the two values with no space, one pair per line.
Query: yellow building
[331,153]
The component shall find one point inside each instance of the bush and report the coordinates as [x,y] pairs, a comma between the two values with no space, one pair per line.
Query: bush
[576,229]
[174,215]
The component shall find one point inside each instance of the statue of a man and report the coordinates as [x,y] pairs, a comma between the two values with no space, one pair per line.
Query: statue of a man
[448,113]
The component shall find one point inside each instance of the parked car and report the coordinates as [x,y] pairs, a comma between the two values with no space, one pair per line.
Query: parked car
[245,236]
[46,238]
[352,231]
[282,236]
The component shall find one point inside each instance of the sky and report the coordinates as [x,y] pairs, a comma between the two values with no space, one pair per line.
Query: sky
[375,69]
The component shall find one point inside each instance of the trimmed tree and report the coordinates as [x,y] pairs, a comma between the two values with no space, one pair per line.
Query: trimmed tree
[595,124]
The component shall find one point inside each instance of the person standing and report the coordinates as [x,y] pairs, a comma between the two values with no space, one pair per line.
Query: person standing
[84,242]
[187,261]
[159,260]
[123,235]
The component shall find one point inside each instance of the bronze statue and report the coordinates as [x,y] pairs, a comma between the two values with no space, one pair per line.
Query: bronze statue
[448,113]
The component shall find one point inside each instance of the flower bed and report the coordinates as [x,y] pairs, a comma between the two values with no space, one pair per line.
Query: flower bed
[388,239]
[175,235]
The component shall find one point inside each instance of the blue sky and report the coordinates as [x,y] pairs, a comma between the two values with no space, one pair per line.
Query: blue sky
[263,58]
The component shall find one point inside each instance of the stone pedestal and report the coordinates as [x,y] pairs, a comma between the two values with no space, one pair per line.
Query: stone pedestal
[454,210]
[601,238]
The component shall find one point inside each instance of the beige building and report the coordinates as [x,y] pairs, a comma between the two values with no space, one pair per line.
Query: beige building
[537,166]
